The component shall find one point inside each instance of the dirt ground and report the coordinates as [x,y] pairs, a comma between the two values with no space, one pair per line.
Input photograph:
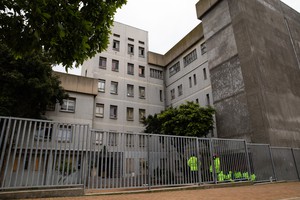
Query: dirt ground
[274,191]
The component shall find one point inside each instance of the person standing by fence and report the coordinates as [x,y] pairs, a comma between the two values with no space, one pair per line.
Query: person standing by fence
[193,164]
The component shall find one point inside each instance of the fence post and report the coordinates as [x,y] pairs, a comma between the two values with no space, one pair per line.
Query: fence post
[293,153]
[212,161]
[248,160]
[148,156]
[273,165]
[199,162]
[4,153]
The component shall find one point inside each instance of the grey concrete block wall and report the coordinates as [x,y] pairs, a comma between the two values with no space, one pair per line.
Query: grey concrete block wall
[259,40]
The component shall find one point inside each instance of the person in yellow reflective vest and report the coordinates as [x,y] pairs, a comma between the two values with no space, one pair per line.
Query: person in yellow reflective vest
[193,164]
[216,164]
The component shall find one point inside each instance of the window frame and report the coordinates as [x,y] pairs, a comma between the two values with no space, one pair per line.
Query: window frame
[141,71]
[189,58]
[140,112]
[130,90]
[174,69]
[130,49]
[114,85]
[115,65]
[64,133]
[101,82]
[113,112]
[142,92]
[142,52]
[130,114]
[101,61]
[130,66]
[116,45]
[68,101]
[172,91]
[180,90]
[99,106]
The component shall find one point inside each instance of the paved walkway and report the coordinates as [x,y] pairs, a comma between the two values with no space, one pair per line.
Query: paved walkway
[274,191]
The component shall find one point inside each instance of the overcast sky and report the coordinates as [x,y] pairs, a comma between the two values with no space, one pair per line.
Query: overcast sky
[167,21]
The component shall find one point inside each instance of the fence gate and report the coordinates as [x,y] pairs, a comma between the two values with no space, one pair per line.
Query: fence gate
[41,153]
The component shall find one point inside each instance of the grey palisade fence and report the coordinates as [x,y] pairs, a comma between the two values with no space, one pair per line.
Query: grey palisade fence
[38,153]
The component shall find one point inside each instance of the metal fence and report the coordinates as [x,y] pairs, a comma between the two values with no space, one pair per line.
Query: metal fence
[46,153]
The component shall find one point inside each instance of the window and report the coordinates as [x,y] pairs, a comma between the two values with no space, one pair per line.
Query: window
[129,165]
[207,100]
[43,132]
[142,114]
[173,94]
[142,140]
[102,63]
[113,112]
[141,52]
[130,90]
[130,49]
[174,69]
[190,58]
[154,73]
[204,74]
[116,45]
[112,139]
[141,42]
[142,92]
[114,87]
[195,79]
[98,137]
[129,140]
[130,69]
[116,35]
[180,90]
[141,71]
[190,81]
[115,65]
[64,133]
[161,95]
[203,48]
[68,105]
[197,101]
[129,114]
[131,39]
[99,112]
[101,85]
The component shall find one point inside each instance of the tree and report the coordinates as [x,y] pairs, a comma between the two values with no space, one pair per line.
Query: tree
[27,85]
[67,30]
[187,120]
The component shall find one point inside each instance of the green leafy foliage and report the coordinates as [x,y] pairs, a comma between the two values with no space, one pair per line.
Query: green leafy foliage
[27,85]
[67,30]
[188,119]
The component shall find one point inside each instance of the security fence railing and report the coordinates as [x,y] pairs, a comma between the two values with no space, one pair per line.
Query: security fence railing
[47,153]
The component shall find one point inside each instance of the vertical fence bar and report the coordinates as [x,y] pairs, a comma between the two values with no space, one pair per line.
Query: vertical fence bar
[248,160]
[213,171]
[273,165]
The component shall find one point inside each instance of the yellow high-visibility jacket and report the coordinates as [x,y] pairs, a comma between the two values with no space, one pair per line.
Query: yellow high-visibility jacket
[193,163]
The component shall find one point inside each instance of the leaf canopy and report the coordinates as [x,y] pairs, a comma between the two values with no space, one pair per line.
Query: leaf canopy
[67,30]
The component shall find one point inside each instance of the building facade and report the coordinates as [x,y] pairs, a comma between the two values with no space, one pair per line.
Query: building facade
[253,50]
[128,88]
[244,62]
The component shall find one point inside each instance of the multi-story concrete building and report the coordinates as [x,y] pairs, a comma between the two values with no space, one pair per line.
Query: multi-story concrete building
[250,72]
[128,88]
